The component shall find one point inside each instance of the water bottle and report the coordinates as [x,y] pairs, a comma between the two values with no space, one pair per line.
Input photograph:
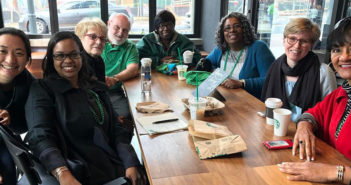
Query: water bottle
[146,75]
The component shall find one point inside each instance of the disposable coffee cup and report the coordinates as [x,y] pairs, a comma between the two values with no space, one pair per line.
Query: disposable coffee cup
[271,104]
[188,57]
[181,70]
[146,62]
[281,121]
[197,108]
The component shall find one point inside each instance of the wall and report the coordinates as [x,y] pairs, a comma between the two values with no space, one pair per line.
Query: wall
[209,21]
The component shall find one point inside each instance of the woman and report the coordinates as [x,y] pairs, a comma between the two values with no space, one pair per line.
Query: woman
[15,81]
[328,119]
[293,76]
[72,119]
[92,32]
[245,59]
[162,45]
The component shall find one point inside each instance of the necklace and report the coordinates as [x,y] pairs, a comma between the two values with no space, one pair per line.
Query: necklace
[236,62]
[101,109]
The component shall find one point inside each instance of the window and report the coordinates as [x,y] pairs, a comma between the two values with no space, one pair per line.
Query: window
[19,14]
[273,15]
[236,6]
[137,11]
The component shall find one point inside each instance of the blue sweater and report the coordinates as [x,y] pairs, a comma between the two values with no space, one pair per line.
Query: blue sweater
[258,60]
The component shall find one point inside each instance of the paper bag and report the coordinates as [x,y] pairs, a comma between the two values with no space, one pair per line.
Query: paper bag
[219,147]
[148,123]
[152,107]
[207,130]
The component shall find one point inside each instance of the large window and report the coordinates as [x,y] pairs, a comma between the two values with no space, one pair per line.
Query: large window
[43,17]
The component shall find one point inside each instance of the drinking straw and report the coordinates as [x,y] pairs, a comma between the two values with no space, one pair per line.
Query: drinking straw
[197,89]
[180,57]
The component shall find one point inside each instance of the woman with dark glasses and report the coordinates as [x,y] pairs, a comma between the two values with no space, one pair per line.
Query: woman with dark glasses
[297,77]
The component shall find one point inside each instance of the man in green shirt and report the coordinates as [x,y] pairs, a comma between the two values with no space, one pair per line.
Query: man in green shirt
[121,61]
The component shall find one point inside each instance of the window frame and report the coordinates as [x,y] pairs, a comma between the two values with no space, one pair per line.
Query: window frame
[54,24]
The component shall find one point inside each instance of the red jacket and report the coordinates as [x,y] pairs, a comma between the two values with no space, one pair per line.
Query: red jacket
[328,114]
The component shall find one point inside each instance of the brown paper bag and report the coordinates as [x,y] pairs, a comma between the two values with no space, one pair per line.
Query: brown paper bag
[207,130]
[152,107]
[219,147]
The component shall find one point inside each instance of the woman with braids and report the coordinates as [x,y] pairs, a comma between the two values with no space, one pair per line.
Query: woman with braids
[245,59]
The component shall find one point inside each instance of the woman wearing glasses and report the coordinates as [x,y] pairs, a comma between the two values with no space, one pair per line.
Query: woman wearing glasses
[329,120]
[15,81]
[72,126]
[162,44]
[245,59]
[92,32]
[297,77]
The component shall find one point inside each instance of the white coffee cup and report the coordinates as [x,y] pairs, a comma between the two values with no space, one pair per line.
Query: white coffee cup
[188,57]
[271,104]
[281,121]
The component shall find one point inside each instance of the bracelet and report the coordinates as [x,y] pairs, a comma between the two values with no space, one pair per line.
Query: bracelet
[340,173]
[58,171]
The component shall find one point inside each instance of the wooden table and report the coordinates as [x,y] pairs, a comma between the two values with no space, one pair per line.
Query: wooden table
[171,158]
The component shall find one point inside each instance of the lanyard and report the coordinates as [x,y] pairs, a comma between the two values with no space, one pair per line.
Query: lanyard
[236,62]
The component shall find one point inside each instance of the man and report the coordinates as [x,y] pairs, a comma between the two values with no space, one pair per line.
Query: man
[163,44]
[121,61]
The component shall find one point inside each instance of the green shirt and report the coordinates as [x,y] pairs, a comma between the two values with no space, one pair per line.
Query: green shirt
[117,58]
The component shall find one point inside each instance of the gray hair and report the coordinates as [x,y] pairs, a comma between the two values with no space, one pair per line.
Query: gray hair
[115,14]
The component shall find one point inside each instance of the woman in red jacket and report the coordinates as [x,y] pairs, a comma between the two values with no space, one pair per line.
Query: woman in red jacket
[328,120]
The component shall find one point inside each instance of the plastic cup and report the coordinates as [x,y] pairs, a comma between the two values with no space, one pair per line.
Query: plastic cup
[281,121]
[271,104]
[197,108]
[188,57]
[181,70]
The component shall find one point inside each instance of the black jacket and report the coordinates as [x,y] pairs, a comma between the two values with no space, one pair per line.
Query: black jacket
[96,66]
[55,107]
[15,104]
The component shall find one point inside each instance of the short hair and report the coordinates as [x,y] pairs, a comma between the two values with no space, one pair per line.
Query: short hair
[89,23]
[162,17]
[48,61]
[22,36]
[248,30]
[113,15]
[299,25]
[340,35]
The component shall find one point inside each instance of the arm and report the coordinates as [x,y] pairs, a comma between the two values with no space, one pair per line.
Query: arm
[145,49]
[215,57]
[263,58]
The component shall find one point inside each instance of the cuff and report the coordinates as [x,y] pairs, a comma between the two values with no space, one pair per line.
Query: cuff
[309,118]
[127,154]
[242,83]
[51,158]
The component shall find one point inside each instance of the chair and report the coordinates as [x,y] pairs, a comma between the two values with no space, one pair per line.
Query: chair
[33,172]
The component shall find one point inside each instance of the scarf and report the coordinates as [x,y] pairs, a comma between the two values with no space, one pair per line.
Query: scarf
[346,113]
[306,92]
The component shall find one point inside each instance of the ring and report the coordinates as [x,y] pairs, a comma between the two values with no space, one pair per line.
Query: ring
[301,142]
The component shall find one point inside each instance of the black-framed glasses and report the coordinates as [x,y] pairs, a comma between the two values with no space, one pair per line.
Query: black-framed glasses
[62,56]
[234,26]
[294,40]
[165,25]
[94,37]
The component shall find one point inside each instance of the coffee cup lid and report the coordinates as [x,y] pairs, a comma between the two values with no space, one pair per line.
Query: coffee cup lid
[273,102]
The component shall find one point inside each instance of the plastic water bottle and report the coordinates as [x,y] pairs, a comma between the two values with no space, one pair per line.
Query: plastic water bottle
[146,75]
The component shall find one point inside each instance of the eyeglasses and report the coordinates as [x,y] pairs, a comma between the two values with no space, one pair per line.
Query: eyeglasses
[294,40]
[168,25]
[229,28]
[94,37]
[62,56]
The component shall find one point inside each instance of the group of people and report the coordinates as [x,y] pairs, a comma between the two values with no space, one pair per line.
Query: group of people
[79,110]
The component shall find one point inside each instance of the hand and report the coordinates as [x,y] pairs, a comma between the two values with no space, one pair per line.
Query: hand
[309,171]
[0,179]
[167,59]
[305,140]
[232,84]
[4,114]
[134,176]
[111,81]
[66,178]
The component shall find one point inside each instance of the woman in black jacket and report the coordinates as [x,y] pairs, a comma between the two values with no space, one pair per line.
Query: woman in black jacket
[72,126]
[15,81]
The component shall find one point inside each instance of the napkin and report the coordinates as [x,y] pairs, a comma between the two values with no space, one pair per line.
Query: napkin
[152,107]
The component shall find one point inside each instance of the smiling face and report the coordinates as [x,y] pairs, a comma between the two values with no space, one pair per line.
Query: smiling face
[118,29]
[233,33]
[94,42]
[297,46]
[13,57]
[67,67]
[166,30]
[341,59]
